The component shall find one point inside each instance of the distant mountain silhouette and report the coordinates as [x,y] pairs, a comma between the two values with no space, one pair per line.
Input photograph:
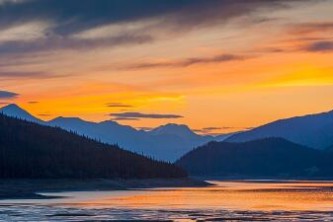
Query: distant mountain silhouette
[312,130]
[29,150]
[265,158]
[168,142]
[14,110]
[182,131]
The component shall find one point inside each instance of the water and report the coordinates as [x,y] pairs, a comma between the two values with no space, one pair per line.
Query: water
[227,201]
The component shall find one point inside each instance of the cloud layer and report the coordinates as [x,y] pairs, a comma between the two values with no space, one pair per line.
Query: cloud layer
[36,25]
[188,62]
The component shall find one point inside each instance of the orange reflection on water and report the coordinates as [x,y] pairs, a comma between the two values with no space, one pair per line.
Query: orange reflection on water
[267,196]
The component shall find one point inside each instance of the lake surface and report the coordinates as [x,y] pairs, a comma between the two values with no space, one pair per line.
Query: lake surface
[226,201]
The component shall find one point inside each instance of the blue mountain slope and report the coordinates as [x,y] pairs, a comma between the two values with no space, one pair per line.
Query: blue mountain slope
[14,110]
[312,130]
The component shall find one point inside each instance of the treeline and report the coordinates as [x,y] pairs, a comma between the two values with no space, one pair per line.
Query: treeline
[29,150]
[264,158]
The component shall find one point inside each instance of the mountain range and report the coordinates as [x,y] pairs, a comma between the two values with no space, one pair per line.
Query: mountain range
[168,142]
[263,158]
[30,150]
[314,131]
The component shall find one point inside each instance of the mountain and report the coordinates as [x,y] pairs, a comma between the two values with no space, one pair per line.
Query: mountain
[168,142]
[159,144]
[312,130]
[14,110]
[30,150]
[182,131]
[264,158]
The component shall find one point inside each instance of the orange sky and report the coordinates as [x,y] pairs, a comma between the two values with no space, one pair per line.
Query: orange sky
[229,75]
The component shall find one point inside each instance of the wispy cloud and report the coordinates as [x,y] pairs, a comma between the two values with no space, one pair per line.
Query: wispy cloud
[218,130]
[319,46]
[15,74]
[67,43]
[8,95]
[311,28]
[138,116]
[118,105]
[33,102]
[188,62]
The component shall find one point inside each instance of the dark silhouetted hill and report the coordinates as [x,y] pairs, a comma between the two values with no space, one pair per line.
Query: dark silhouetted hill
[265,158]
[29,150]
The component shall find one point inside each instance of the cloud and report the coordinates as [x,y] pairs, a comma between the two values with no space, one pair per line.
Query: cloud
[33,102]
[25,32]
[20,74]
[118,105]
[188,62]
[29,74]
[217,130]
[80,24]
[8,95]
[311,28]
[138,116]
[319,46]
[44,114]
[67,43]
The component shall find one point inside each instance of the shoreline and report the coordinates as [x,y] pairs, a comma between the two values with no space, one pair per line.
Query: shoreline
[263,179]
[30,188]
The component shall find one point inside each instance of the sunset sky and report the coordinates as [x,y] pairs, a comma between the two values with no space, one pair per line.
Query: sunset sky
[215,65]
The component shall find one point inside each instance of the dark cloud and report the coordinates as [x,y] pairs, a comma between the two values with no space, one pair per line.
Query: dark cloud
[33,102]
[77,15]
[44,114]
[188,62]
[118,105]
[68,18]
[319,46]
[8,95]
[214,130]
[125,119]
[208,130]
[138,115]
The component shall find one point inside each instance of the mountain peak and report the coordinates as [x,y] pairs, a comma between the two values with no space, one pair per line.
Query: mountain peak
[12,106]
[173,129]
[61,118]
[13,110]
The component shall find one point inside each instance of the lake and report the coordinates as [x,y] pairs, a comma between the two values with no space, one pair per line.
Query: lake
[225,201]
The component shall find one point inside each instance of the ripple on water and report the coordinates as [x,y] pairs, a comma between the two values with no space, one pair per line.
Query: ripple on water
[229,201]
[29,213]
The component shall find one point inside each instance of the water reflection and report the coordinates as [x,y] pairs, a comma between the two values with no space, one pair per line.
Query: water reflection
[242,201]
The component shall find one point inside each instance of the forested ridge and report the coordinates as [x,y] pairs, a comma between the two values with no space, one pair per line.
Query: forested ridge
[29,150]
[264,158]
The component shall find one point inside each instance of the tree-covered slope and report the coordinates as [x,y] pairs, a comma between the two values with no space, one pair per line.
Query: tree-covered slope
[29,150]
[271,157]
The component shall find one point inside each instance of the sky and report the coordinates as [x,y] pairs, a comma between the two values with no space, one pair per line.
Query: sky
[216,65]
